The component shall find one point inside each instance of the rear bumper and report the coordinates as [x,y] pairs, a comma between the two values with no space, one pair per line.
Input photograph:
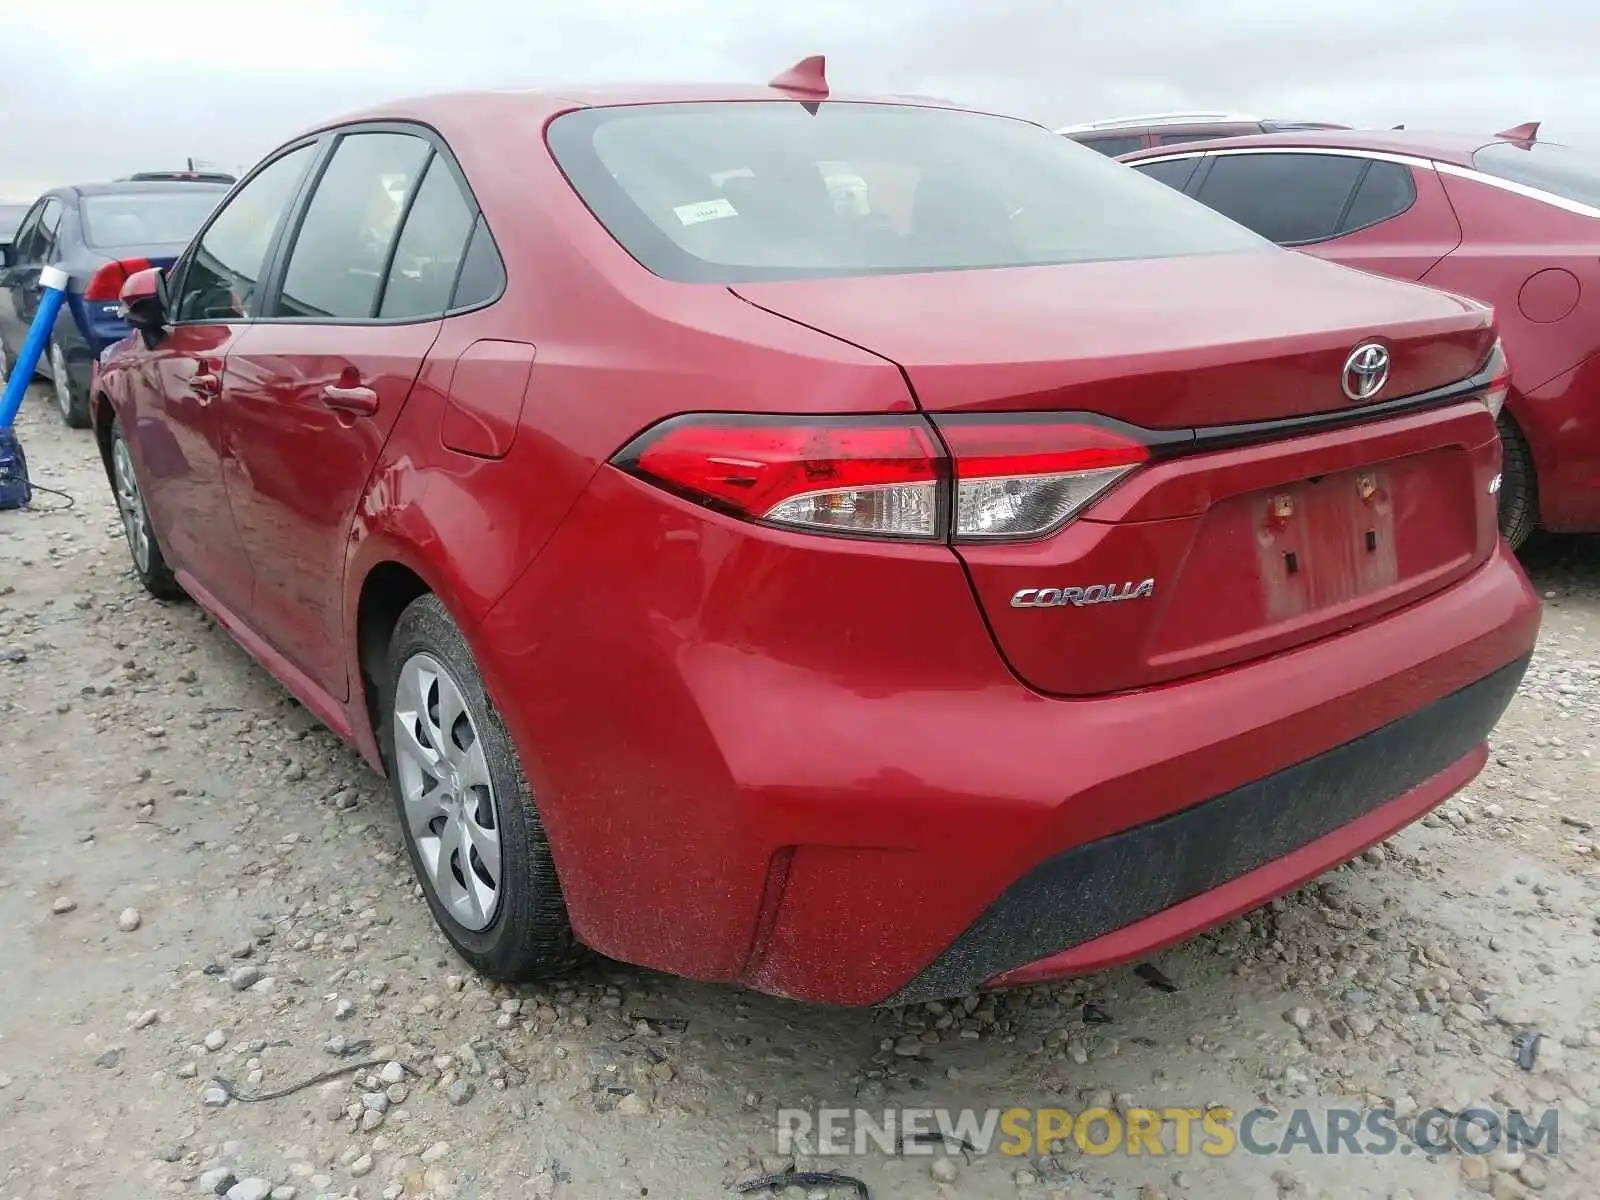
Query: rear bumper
[1118,897]
[799,762]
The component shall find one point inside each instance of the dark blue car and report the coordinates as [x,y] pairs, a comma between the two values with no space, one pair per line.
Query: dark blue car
[87,230]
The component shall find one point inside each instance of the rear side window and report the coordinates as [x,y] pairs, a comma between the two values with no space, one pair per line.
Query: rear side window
[428,255]
[483,272]
[342,248]
[1113,146]
[1173,139]
[221,279]
[1559,170]
[45,240]
[1290,198]
[1174,172]
[721,192]
[1385,191]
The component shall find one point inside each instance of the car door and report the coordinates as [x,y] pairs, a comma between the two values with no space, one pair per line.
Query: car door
[12,274]
[169,413]
[315,387]
[31,255]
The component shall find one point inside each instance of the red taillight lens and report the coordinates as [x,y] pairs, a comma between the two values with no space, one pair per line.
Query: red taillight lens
[106,283]
[1012,477]
[1494,396]
[875,476]
[1024,478]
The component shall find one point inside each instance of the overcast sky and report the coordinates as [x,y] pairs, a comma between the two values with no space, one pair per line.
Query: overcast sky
[98,88]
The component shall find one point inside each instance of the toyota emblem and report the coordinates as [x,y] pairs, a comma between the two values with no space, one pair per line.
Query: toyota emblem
[1366,371]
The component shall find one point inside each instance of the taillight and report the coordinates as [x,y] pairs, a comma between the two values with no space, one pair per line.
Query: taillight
[1024,477]
[873,477]
[1010,477]
[106,283]
[1494,396]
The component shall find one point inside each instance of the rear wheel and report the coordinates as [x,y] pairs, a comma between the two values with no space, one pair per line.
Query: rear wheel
[71,401]
[148,561]
[1519,489]
[466,812]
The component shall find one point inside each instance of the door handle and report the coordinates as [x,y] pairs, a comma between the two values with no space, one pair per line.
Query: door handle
[205,385]
[361,400]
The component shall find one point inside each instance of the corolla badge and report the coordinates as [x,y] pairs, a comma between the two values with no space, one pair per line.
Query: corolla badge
[1095,593]
[1366,371]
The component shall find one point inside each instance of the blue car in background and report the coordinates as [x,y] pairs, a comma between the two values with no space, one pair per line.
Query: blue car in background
[88,230]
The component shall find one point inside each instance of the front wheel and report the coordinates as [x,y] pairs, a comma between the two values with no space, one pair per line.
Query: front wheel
[148,561]
[1519,489]
[466,812]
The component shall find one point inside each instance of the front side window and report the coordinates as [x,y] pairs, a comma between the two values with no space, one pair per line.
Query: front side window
[121,221]
[1292,199]
[722,192]
[23,240]
[338,262]
[1560,170]
[223,275]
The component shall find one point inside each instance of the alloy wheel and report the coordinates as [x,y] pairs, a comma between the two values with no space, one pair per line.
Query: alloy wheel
[130,501]
[447,798]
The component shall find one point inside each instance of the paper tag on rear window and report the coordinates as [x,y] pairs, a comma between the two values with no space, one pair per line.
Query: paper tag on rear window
[706,210]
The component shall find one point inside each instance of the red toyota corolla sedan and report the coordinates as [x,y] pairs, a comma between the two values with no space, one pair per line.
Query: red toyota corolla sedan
[863,549]
[1510,220]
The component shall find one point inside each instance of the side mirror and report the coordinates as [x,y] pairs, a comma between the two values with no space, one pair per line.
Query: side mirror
[8,254]
[144,303]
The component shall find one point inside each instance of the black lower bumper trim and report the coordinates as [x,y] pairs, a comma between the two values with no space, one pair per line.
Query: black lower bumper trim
[1101,886]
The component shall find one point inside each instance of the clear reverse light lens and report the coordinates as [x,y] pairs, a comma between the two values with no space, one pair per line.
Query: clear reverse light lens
[1027,505]
[907,510]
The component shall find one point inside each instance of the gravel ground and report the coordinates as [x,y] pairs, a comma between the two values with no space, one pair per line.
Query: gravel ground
[197,881]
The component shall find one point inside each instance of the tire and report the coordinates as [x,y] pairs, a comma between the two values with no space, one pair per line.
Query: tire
[72,402]
[1519,489]
[149,564]
[510,924]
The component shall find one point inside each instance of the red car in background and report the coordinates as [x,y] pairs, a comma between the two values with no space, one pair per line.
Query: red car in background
[1510,220]
[864,549]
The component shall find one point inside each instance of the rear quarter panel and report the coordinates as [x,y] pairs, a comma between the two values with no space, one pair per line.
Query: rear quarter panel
[1539,266]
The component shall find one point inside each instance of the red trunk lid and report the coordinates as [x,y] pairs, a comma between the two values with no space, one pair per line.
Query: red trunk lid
[1213,557]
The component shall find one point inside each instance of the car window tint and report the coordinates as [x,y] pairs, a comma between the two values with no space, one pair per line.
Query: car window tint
[724,192]
[1560,170]
[1290,198]
[483,272]
[23,241]
[1113,146]
[342,247]
[44,242]
[1386,191]
[119,220]
[220,280]
[1172,139]
[1174,172]
[428,254]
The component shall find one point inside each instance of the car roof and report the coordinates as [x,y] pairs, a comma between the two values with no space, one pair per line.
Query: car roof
[523,103]
[1441,147]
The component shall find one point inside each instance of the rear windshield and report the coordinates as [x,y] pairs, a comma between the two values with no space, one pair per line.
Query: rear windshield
[121,221]
[722,192]
[1560,170]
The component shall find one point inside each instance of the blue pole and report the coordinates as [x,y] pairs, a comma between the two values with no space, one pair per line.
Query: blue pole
[54,281]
